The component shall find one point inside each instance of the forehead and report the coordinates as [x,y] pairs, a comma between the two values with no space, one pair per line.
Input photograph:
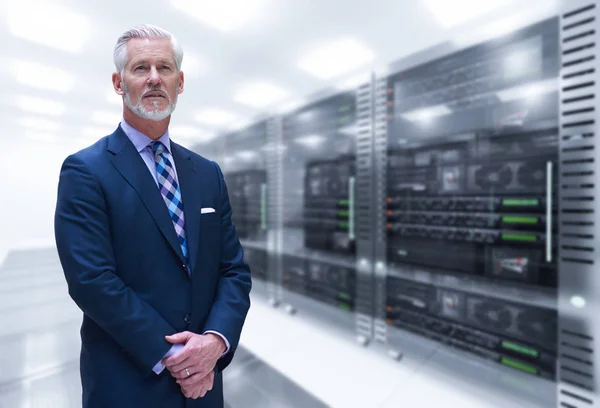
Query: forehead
[149,48]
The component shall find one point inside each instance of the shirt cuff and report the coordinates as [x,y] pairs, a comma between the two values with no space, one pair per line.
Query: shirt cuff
[221,336]
[175,348]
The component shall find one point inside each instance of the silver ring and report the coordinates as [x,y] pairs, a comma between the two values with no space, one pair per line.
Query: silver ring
[187,372]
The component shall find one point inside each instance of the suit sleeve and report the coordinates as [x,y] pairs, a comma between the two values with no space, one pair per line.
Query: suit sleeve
[232,302]
[83,240]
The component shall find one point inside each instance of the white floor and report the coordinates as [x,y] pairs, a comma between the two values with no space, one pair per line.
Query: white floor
[39,346]
[342,374]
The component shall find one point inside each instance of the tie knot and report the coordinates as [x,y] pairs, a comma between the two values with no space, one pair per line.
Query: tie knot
[157,148]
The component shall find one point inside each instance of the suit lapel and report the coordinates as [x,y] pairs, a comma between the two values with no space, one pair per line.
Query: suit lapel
[190,194]
[128,162]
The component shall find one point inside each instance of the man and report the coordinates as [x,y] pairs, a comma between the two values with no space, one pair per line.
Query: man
[150,254]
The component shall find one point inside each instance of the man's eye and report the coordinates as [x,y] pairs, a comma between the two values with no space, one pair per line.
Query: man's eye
[165,67]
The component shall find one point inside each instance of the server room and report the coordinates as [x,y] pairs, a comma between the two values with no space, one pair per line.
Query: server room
[374,204]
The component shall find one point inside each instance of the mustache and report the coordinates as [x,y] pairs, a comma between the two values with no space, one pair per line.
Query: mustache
[155,90]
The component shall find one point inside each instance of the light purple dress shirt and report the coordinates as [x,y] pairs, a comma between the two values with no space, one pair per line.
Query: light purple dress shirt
[142,144]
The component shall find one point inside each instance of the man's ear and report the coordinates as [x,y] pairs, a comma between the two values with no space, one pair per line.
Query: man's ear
[116,80]
[181,82]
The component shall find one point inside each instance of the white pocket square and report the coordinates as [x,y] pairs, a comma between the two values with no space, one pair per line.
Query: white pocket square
[207,210]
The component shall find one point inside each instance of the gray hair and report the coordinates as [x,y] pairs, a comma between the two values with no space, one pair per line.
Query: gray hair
[144,31]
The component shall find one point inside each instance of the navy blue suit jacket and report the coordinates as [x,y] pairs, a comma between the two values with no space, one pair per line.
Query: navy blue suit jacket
[126,272]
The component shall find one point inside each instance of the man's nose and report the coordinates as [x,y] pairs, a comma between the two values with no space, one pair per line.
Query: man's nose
[153,78]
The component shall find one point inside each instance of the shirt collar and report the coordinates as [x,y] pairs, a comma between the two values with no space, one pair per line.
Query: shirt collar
[140,140]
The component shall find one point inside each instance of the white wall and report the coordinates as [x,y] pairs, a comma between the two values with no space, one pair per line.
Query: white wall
[31,170]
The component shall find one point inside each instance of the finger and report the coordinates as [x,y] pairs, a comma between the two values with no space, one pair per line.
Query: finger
[178,359]
[179,371]
[188,392]
[198,392]
[211,380]
[181,337]
[194,367]
[191,380]
[207,384]
[194,364]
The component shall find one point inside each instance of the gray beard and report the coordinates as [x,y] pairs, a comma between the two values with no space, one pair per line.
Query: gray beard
[142,112]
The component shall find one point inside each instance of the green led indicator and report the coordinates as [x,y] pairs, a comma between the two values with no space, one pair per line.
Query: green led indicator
[516,202]
[519,237]
[345,119]
[344,306]
[344,295]
[519,366]
[343,224]
[520,349]
[344,108]
[343,213]
[344,202]
[520,220]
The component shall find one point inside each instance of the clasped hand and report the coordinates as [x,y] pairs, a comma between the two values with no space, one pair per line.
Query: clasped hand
[193,366]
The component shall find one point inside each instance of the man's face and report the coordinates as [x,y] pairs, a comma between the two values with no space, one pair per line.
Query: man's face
[150,82]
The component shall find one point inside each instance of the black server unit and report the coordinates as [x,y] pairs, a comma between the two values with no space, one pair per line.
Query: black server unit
[246,193]
[318,163]
[471,177]
[257,258]
[245,171]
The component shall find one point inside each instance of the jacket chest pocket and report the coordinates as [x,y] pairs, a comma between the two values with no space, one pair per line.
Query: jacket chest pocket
[210,217]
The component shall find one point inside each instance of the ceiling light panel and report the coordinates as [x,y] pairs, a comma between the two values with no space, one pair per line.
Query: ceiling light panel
[455,12]
[223,15]
[47,24]
[259,94]
[310,141]
[40,106]
[425,114]
[528,91]
[41,76]
[336,58]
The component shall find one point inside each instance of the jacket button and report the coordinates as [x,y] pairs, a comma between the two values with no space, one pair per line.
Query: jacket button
[187,319]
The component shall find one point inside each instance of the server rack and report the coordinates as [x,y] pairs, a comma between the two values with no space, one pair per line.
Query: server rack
[498,192]
[246,164]
[318,188]
[579,284]
[468,146]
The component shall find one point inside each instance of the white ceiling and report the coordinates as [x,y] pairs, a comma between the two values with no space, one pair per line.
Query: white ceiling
[218,64]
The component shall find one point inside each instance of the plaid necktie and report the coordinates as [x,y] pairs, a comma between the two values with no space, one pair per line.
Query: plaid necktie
[170,192]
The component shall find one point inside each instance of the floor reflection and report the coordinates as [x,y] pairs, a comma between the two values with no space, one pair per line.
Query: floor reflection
[40,343]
